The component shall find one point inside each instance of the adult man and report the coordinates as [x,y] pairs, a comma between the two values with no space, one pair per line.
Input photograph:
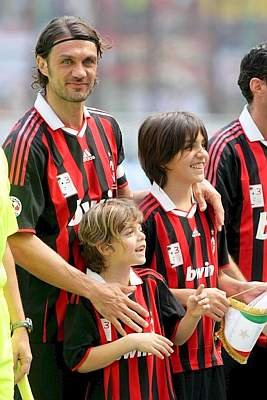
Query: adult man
[237,168]
[63,157]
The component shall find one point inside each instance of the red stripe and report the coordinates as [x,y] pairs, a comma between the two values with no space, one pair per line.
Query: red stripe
[246,223]
[58,199]
[28,143]
[18,149]
[102,150]
[216,149]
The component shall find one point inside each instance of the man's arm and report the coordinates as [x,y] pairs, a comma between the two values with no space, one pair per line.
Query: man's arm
[20,339]
[233,270]
[110,300]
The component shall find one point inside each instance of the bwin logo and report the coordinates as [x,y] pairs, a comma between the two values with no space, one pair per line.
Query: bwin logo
[192,273]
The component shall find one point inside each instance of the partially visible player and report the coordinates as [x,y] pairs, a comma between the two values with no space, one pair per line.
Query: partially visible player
[237,168]
[135,366]
[183,243]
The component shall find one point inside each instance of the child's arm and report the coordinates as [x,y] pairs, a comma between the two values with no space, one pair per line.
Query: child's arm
[197,305]
[104,355]
[217,300]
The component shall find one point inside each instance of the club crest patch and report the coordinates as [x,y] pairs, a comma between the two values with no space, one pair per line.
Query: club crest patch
[16,204]
[256,196]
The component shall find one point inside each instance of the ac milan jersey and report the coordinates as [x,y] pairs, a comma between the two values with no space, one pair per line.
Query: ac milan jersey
[187,250]
[135,375]
[55,175]
[237,168]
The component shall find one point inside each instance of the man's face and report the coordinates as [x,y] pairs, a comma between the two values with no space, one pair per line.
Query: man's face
[71,69]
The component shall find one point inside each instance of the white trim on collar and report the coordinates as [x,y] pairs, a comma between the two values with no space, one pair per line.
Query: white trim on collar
[250,128]
[51,117]
[134,278]
[168,205]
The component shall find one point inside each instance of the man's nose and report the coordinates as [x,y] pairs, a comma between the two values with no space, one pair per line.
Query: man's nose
[78,71]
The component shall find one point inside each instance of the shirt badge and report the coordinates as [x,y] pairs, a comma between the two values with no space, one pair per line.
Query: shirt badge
[256,196]
[66,185]
[175,254]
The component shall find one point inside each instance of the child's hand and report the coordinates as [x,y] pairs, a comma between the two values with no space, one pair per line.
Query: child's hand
[198,303]
[153,343]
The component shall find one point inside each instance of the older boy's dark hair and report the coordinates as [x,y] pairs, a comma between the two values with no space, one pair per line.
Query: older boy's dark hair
[65,27]
[253,65]
[101,225]
[161,137]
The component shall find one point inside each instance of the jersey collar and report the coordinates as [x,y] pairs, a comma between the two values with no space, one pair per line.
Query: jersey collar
[51,117]
[249,127]
[168,205]
[134,278]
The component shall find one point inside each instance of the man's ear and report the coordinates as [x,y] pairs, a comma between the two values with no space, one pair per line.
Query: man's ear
[42,65]
[257,85]
[105,249]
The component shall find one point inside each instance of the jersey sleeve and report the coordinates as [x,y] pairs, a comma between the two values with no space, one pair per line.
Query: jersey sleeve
[80,333]
[8,219]
[120,173]
[170,308]
[223,258]
[149,230]
[27,180]
[223,173]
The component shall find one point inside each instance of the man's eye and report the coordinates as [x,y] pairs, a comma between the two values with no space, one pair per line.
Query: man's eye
[67,61]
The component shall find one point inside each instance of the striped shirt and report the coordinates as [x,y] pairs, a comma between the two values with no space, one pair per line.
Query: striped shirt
[56,174]
[187,250]
[135,375]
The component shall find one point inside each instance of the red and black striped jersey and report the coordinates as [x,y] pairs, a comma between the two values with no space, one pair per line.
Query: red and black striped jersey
[56,174]
[237,168]
[187,250]
[135,375]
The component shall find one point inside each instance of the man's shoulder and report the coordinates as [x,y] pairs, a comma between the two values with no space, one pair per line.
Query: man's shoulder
[228,134]
[94,112]
[29,123]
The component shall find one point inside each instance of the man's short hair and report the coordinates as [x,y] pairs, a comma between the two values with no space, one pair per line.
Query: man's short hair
[253,65]
[161,137]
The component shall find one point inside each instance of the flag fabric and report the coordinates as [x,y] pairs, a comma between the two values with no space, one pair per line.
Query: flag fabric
[242,326]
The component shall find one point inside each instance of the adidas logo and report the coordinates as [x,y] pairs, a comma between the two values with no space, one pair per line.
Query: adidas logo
[195,233]
[87,156]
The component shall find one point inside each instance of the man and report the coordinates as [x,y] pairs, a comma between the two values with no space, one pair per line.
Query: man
[237,168]
[63,158]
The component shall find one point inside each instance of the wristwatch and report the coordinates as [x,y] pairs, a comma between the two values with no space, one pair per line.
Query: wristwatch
[26,323]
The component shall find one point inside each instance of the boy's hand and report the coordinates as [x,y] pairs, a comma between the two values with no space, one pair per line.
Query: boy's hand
[198,303]
[153,343]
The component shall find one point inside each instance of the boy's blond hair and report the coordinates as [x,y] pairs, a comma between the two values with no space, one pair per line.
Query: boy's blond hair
[101,225]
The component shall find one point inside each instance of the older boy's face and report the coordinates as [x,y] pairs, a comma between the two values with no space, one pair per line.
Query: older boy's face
[188,165]
[131,249]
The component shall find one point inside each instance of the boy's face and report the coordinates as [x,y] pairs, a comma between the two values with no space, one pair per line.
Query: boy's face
[131,249]
[187,166]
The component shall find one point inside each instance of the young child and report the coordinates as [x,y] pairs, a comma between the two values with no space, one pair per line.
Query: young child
[135,366]
[183,244]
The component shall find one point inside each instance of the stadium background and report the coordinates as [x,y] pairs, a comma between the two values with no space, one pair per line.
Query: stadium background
[166,55]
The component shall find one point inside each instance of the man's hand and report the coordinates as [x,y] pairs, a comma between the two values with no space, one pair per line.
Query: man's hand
[252,290]
[112,301]
[218,302]
[21,353]
[205,193]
